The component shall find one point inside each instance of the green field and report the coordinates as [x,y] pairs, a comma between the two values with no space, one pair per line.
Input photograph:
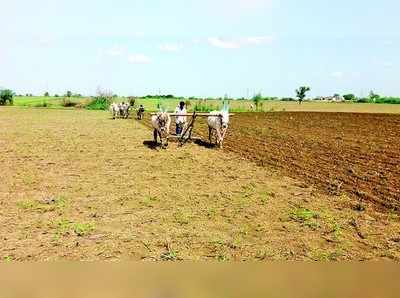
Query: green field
[235,105]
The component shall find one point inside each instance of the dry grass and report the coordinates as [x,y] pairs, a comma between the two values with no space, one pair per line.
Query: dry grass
[78,186]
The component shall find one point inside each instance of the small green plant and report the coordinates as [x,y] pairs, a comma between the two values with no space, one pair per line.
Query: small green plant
[43,206]
[66,227]
[81,229]
[306,217]
[8,259]
[303,215]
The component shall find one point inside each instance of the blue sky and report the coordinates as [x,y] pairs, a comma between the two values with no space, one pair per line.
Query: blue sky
[200,48]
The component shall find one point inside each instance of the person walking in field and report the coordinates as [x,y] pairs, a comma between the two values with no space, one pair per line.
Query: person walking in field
[180,120]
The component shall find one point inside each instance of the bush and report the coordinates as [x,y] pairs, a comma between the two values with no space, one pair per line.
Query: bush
[6,96]
[390,100]
[99,103]
[349,97]
[67,103]
[257,100]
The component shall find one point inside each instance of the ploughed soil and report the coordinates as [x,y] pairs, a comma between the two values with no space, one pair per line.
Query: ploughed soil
[357,154]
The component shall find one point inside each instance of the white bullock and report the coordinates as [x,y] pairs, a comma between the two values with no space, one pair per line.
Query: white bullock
[218,124]
[115,110]
[161,124]
[124,110]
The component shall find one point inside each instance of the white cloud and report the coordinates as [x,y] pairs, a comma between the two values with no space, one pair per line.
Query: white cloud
[139,59]
[259,40]
[171,48]
[239,42]
[223,43]
[337,74]
[196,41]
[387,64]
[116,51]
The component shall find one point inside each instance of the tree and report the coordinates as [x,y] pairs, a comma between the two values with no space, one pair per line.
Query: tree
[373,96]
[46,94]
[6,95]
[349,97]
[257,100]
[301,93]
[69,94]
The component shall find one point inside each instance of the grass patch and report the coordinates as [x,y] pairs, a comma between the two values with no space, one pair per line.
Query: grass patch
[305,216]
[48,205]
[65,227]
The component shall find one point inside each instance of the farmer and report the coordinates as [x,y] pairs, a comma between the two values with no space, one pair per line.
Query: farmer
[180,120]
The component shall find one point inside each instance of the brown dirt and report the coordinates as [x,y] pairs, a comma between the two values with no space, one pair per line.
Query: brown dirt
[76,185]
[358,154]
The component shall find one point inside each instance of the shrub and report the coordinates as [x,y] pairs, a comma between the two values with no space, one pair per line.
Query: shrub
[349,97]
[257,100]
[67,103]
[99,103]
[363,100]
[390,100]
[6,96]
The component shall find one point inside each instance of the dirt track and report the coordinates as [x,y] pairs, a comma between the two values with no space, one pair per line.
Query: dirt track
[338,152]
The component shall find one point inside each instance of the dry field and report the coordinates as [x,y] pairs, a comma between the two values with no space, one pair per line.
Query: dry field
[76,185]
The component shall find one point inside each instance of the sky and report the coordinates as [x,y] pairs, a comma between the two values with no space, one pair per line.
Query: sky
[205,48]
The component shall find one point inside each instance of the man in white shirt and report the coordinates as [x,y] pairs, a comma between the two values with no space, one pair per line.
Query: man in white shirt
[180,120]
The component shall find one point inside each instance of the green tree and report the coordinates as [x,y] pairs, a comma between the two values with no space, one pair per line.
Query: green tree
[373,96]
[349,97]
[69,94]
[257,98]
[6,96]
[46,94]
[301,93]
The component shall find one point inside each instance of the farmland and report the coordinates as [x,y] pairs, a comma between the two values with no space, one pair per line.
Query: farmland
[235,105]
[77,185]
